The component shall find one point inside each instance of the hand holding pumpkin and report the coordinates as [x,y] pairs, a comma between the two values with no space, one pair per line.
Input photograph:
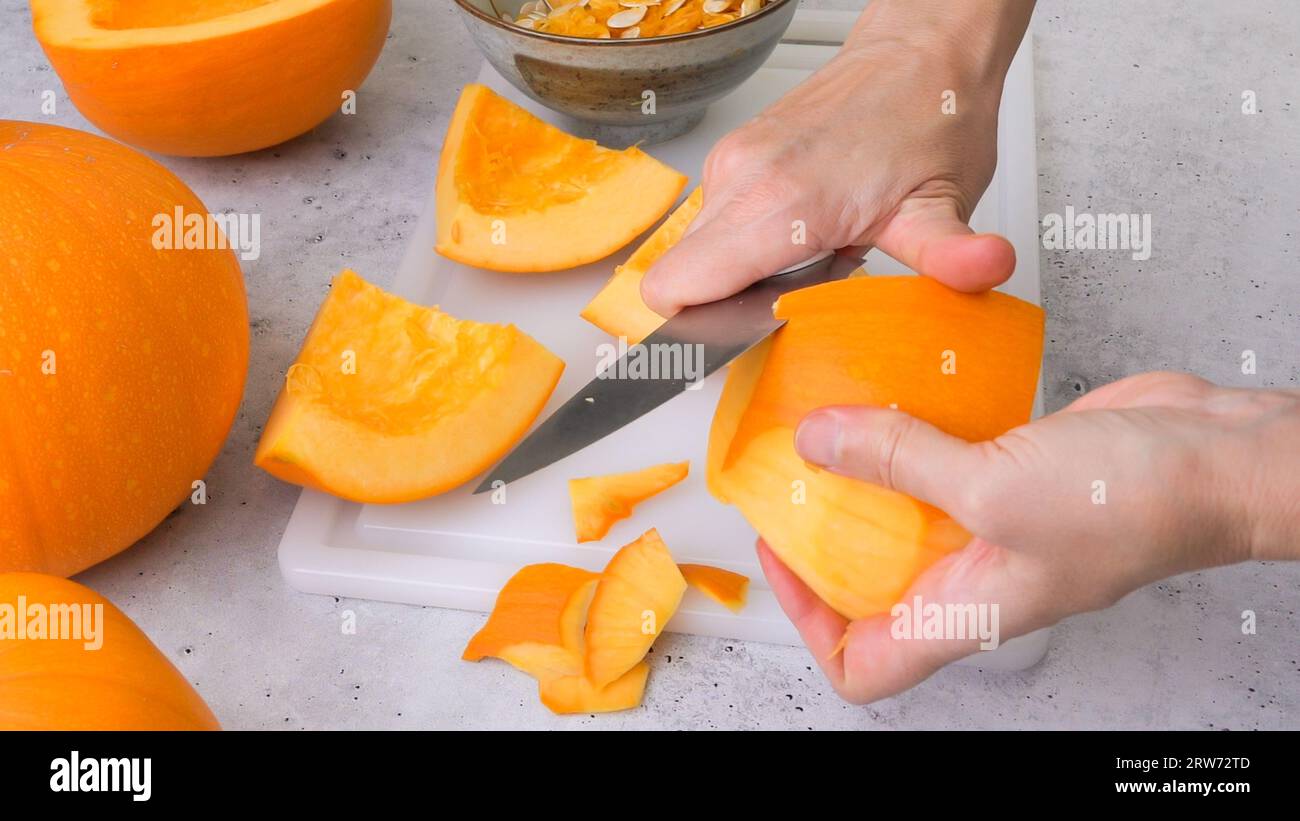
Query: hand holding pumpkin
[1150,476]
[890,145]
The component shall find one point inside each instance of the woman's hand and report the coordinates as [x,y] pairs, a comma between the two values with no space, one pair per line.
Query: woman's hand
[889,145]
[1150,476]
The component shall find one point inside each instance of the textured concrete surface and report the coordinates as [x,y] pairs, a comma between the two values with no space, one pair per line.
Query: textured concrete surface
[1139,109]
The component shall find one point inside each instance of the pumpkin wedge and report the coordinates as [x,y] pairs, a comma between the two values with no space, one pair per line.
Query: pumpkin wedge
[638,593]
[537,621]
[210,78]
[517,194]
[966,363]
[115,679]
[618,308]
[576,694]
[600,501]
[723,586]
[390,401]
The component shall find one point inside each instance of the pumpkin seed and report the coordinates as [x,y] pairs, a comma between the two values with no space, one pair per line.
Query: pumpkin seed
[631,4]
[526,23]
[527,9]
[507,17]
[673,5]
[629,34]
[563,9]
[626,18]
[716,6]
[748,7]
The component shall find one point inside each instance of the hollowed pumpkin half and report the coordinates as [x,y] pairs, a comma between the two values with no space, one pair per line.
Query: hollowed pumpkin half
[965,363]
[390,401]
[618,308]
[518,194]
[210,78]
[115,679]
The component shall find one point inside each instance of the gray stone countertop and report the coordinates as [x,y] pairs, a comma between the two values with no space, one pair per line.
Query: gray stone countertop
[1138,109]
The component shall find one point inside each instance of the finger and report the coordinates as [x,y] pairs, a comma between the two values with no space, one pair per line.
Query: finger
[893,449]
[718,258]
[929,236]
[883,655]
[820,627]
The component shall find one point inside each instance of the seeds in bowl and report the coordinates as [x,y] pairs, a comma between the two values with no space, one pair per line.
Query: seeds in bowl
[629,19]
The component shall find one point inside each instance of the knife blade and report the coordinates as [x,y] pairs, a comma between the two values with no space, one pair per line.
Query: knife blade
[705,337]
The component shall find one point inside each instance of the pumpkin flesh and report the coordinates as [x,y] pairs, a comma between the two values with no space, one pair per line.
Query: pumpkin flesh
[210,78]
[867,341]
[518,194]
[600,501]
[390,401]
[618,308]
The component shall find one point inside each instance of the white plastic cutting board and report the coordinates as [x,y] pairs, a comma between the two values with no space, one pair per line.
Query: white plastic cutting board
[456,550]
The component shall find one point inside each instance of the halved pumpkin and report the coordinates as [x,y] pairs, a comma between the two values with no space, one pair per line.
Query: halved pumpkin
[389,401]
[600,501]
[577,694]
[537,621]
[210,78]
[518,194]
[723,586]
[618,308]
[638,593]
[965,363]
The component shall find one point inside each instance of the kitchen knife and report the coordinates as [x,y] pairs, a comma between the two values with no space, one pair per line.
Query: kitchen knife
[708,336]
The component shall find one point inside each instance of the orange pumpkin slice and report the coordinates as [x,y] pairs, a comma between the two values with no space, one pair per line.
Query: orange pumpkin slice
[723,586]
[638,593]
[600,501]
[618,308]
[576,694]
[389,401]
[537,621]
[518,194]
[966,363]
[213,77]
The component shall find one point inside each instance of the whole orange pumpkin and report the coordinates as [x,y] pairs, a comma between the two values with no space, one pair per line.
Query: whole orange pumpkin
[121,364]
[70,660]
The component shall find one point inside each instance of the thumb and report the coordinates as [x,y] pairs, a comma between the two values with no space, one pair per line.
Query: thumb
[929,236]
[720,257]
[893,449]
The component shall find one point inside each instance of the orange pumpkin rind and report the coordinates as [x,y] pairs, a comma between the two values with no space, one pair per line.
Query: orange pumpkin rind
[867,341]
[600,501]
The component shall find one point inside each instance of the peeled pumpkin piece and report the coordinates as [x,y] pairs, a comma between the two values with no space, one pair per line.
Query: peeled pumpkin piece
[203,78]
[389,401]
[537,621]
[618,308]
[517,194]
[638,593]
[600,501]
[867,341]
[576,694]
[723,586]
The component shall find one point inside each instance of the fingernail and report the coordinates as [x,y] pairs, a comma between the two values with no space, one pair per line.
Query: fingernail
[818,439]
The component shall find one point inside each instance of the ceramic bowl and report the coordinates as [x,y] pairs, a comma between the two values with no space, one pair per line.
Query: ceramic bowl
[621,92]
